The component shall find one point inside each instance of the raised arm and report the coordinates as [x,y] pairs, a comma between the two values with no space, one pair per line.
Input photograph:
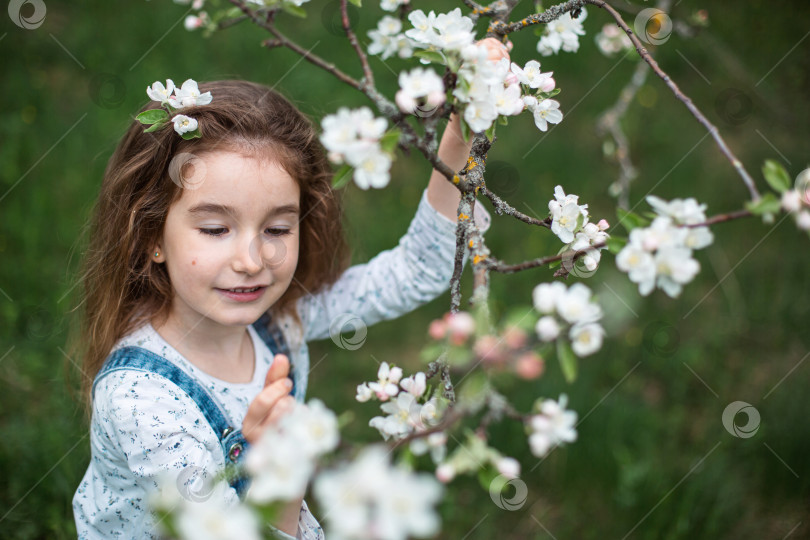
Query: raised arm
[454,151]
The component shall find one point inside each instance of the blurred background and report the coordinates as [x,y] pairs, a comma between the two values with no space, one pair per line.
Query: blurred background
[653,459]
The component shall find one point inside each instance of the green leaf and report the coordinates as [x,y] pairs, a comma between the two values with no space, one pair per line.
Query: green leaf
[767,204]
[630,220]
[503,120]
[486,475]
[342,176]
[554,264]
[568,362]
[431,352]
[473,392]
[615,245]
[357,3]
[294,10]
[152,116]
[155,127]
[388,142]
[465,129]
[430,56]
[490,132]
[188,135]
[545,95]
[776,175]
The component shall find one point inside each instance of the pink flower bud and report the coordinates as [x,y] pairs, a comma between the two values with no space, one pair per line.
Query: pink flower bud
[603,225]
[489,350]
[461,326]
[548,85]
[529,366]
[437,329]
[445,472]
[515,337]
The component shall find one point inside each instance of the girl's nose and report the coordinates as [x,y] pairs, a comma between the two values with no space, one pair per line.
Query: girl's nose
[248,256]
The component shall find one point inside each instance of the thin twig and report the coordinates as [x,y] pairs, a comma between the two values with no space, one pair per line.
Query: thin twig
[736,163]
[344,12]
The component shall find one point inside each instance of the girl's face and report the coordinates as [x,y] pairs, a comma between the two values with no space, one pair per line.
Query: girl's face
[230,242]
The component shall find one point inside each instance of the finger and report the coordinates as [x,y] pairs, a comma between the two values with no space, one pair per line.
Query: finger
[282,407]
[262,405]
[279,369]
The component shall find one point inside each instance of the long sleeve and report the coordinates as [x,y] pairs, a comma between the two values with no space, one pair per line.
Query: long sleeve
[394,282]
[144,428]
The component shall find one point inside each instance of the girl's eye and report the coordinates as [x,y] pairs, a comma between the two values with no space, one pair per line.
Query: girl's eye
[279,232]
[217,231]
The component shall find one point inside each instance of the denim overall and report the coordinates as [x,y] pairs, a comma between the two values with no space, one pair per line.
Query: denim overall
[230,437]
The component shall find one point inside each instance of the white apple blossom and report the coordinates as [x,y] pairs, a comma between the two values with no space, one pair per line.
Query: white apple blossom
[660,255]
[562,34]
[391,5]
[353,137]
[435,443]
[160,93]
[545,296]
[370,499]
[611,40]
[479,115]
[446,31]
[674,267]
[364,393]
[214,519]
[299,437]
[553,426]
[415,384]
[547,112]
[387,39]
[189,95]
[586,338]
[640,266]
[576,307]
[387,380]
[682,211]
[547,328]
[423,31]
[567,215]
[507,100]
[417,87]
[373,170]
[531,76]
[184,124]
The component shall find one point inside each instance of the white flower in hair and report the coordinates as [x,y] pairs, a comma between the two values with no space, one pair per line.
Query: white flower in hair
[189,95]
[184,124]
[160,93]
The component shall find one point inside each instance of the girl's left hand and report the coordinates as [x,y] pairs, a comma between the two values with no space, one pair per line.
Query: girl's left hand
[496,49]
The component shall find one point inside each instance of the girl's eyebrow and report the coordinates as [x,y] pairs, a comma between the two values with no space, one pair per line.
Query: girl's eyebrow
[213,208]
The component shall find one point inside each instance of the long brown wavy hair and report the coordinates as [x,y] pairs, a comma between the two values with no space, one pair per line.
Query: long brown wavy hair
[122,287]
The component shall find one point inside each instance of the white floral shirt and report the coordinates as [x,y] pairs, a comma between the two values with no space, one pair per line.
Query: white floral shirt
[144,427]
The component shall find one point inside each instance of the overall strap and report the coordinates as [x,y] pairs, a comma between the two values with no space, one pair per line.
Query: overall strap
[269,331]
[139,359]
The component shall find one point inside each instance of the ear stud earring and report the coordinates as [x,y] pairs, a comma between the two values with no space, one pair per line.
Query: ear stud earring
[157,254]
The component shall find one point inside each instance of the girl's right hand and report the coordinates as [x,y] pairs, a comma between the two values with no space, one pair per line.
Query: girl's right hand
[272,402]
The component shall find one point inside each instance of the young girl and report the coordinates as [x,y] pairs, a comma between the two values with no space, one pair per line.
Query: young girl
[212,262]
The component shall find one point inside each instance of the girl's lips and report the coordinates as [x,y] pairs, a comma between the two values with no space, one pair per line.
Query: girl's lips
[243,296]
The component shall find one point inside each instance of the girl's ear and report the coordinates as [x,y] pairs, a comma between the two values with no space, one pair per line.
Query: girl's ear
[157,254]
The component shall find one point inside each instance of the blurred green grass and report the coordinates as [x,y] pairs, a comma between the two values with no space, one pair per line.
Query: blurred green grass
[652,456]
